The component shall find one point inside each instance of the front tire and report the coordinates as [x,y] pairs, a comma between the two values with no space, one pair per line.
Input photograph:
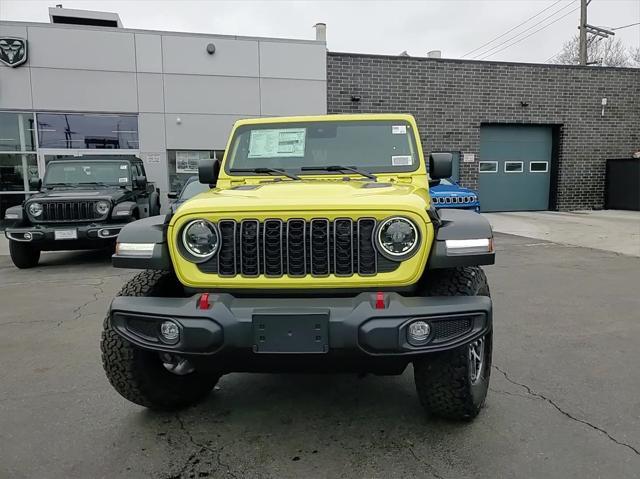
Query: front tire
[453,384]
[23,255]
[139,375]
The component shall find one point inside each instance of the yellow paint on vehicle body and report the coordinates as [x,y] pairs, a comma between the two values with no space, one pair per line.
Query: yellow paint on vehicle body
[316,196]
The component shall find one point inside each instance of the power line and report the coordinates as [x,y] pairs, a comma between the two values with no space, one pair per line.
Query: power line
[531,34]
[626,26]
[512,29]
[524,31]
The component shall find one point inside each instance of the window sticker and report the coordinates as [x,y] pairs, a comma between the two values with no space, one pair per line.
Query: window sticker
[399,129]
[123,167]
[401,160]
[122,180]
[277,143]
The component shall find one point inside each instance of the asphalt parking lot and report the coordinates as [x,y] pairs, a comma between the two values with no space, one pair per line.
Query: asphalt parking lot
[564,398]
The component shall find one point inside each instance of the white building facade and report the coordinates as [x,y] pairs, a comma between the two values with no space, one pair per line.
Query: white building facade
[88,90]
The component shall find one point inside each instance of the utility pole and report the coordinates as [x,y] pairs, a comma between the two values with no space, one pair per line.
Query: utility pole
[583,32]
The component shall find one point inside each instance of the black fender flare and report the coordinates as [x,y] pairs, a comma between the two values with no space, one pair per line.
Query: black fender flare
[150,230]
[154,203]
[124,210]
[452,224]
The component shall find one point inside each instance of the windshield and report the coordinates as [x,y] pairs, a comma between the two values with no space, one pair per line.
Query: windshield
[371,145]
[193,188]
[83,172]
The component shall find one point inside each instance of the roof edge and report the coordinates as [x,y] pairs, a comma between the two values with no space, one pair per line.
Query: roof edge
[481,62]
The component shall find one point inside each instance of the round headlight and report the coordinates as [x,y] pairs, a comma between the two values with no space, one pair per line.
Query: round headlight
[102,207]
[397,238]
[35,209]
[200,238]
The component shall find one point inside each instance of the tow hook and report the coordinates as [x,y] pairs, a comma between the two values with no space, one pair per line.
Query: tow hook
[176,365]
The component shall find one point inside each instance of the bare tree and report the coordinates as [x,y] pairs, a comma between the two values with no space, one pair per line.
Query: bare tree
[634,54]
[606,52]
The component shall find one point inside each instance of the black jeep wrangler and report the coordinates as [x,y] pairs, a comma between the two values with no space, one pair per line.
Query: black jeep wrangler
[80,204]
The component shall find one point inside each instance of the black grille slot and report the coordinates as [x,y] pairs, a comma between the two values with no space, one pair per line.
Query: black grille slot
[319,247]
[250,248]
[297,247]
[367,256]
[447,329]
[69,211]
[273,248]
[227,254]
[343,244]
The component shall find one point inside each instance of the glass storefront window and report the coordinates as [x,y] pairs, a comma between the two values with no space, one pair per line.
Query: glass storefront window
[17,132]
[16,169]
[87,131]
[184,164]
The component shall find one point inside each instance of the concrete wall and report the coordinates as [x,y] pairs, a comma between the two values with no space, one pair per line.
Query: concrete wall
[451,99]
[164,77]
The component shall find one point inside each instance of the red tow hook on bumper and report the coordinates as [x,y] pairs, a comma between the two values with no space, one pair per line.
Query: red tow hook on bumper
[203,302]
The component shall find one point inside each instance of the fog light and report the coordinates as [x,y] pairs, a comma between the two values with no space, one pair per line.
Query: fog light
[28,236]
[418,333]
[170,331]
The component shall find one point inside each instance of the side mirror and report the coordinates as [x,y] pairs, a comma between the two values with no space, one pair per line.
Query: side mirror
[208,171]
[35,184]
[440,166]
[140,181]
[172,196]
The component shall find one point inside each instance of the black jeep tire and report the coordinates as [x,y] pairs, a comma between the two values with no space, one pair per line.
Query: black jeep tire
[23,255]
[444,380]
[139,375]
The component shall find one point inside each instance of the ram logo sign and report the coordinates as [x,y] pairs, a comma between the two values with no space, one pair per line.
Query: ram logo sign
[13,51]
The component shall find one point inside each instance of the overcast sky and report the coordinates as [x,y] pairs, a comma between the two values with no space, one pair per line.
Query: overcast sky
[388,27]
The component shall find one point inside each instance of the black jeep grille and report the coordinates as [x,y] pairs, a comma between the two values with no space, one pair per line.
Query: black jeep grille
[297,248]
[69,211]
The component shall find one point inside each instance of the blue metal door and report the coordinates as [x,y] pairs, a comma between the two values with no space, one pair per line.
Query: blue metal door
[514,168]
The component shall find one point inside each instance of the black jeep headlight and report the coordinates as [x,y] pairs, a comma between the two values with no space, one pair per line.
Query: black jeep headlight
[35,209]
[397,238]
[200,240]
[103,207]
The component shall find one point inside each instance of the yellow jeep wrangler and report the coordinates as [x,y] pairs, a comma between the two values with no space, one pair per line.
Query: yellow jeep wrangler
[316,249]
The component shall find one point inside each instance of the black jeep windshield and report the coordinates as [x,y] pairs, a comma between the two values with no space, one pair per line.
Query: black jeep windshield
[98,172]
[369,145]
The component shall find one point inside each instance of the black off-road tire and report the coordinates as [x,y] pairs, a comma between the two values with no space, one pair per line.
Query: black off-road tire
[443,380]
[139,375]
[23,255]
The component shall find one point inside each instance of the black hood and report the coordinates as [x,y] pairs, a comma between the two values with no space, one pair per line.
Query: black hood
[115,193]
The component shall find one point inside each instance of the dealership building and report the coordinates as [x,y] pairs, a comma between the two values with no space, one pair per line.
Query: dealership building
[527,136]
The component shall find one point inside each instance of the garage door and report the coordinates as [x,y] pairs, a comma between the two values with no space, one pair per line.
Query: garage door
[514,168]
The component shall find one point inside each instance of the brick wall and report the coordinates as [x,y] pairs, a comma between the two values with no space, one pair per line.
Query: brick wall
[452,98]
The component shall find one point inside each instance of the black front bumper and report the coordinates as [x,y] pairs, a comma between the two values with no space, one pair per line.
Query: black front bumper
[254,329]
[88,236]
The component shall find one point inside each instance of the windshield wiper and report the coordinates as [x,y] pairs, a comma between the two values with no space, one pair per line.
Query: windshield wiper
[340,168]
[51,185]
[98,183]
[268,171]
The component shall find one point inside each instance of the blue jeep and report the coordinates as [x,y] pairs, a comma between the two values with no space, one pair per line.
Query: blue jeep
[449,194]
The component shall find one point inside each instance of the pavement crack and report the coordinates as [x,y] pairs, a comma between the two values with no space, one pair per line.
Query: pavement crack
[192,461]
[508,393]
[431,469]
[567,414]
[77,311]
